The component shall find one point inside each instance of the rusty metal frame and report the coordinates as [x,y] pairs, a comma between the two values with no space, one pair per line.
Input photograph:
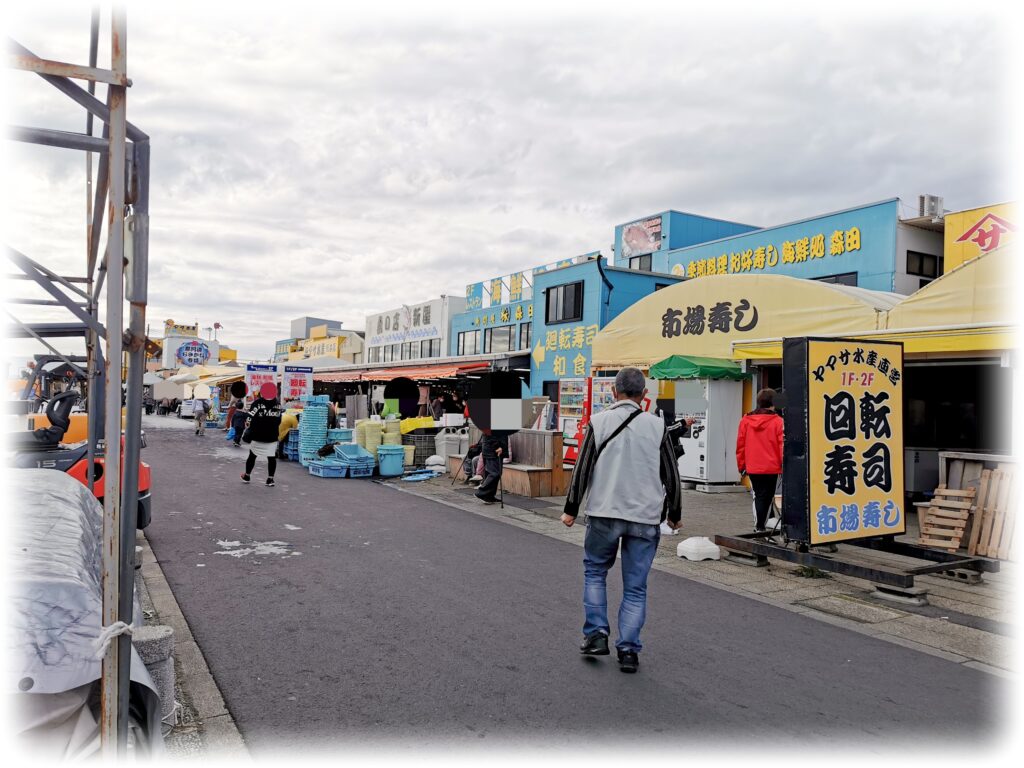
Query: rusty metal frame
[121,190]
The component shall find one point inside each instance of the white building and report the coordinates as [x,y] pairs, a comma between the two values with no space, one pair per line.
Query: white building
[412,331]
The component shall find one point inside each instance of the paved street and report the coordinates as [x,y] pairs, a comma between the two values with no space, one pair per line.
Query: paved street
[345,611]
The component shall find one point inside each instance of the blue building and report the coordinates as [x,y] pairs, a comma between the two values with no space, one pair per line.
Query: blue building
[867,246]
[644,244]
[545,319]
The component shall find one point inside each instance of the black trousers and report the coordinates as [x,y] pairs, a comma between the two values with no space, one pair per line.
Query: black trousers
[250,464]
[492,476]
[764,491]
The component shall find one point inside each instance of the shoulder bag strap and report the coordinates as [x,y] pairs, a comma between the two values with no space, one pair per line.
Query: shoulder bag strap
[615,434]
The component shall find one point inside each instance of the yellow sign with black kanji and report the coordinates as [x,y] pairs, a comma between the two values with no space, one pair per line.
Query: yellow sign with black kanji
[854,440]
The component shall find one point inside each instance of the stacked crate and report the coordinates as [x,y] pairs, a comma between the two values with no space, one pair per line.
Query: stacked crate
[357,460]
[312,428]
[291,445]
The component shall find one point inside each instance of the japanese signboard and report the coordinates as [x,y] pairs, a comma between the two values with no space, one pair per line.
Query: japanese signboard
[720,316]
[256,376]
[499,290]
[641,237]
[172,328]
[192,353]
[297,381]
[766,256]
[969,234]
[843,462]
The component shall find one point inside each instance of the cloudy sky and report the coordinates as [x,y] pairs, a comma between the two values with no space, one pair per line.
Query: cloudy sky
[310,160]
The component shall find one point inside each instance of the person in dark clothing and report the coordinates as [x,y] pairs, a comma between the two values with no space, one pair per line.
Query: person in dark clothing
[238,418]
[494,448]
[263,423]
[759,453]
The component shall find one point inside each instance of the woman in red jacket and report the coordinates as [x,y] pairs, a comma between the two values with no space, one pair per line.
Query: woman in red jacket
[759,453]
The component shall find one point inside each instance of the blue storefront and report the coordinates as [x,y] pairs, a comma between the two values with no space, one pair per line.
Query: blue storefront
[557,311]
[858,246]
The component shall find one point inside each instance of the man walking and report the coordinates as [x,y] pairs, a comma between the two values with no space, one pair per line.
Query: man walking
[200,409]
[627,471]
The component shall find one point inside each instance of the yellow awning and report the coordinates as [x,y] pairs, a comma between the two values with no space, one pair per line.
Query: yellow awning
[747,307]
[960,340]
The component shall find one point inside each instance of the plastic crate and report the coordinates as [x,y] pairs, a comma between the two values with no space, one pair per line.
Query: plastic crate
[424,445]
[354,470]
[323,469]
[353,453]
[339,435]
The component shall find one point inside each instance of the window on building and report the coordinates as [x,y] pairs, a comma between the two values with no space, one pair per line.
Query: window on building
[498,339]
[846,278]
[924,265]
[525,335]
[641,263]
[373,355]
[407,351]
[565,303]
[435,347]
[468,342]
[387,353]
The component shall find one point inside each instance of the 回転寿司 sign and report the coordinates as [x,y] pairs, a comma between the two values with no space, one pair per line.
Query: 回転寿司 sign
[843,459]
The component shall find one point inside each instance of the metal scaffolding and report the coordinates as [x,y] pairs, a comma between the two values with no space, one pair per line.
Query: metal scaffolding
[121,184]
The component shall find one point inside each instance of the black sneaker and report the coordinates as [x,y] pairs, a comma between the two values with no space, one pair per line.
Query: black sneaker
[245,478]
[595,644]
[628,661]
[270,482]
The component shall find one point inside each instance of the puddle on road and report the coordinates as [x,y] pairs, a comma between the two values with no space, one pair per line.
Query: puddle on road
[256,549]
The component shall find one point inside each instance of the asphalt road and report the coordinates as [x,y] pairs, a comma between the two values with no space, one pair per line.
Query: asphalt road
[335,611]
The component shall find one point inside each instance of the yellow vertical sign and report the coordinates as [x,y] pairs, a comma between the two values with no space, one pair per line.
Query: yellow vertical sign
[854,440]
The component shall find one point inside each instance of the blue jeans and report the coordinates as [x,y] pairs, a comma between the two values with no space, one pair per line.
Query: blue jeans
[639,545]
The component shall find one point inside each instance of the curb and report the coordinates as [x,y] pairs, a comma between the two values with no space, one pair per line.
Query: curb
[219,734]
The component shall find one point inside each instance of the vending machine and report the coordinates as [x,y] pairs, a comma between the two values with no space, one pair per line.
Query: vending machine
[712,409]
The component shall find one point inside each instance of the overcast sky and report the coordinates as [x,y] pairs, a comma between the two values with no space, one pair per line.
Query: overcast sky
[313,161]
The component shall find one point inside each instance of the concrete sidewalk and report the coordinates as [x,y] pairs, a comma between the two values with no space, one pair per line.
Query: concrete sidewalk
[966,624]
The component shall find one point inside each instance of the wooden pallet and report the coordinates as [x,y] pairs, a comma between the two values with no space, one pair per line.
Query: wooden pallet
[945,518]
[995,519]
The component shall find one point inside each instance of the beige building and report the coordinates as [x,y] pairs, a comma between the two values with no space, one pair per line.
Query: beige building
[324,341]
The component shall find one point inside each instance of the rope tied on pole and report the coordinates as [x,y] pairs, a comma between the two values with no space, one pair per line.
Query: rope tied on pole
[102,643]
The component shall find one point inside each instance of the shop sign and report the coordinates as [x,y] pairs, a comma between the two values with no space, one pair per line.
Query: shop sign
[176,329]
[403,325]
[499,290]
[475,296]
[297,381]
[256,375]
[987,233]
[641,237]
[193,353]
[562,342]
[843,461]
[805,249]
[504,315]
[722,317]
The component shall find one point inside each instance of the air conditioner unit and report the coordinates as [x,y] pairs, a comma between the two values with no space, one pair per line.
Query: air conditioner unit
[930,205]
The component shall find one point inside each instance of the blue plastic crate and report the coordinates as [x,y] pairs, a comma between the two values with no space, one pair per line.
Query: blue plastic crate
[354,470]
[322,469]
[353,452]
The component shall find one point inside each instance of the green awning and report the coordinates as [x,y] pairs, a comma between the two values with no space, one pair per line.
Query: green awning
[691,367]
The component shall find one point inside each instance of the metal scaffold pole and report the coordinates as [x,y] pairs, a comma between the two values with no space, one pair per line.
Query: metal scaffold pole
[121,190]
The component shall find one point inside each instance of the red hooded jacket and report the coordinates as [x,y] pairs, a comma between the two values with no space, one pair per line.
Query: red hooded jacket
[759,443]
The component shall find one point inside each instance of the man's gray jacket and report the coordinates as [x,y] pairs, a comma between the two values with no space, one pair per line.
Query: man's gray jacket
[636,477]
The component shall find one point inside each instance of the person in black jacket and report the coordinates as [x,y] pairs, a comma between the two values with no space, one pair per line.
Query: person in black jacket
[494,448]
[262,425]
